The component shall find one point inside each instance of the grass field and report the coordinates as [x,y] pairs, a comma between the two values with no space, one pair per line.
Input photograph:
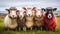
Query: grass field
[2,29]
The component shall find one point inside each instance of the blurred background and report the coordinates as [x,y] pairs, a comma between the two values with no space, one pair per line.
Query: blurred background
[34,3]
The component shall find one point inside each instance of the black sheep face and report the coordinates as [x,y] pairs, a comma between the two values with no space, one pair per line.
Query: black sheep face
[49,12]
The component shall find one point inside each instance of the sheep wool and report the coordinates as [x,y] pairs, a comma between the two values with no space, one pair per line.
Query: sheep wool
[50,23]
[10,23]
[29,22]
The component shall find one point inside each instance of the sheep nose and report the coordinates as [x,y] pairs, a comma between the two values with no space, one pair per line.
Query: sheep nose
[39,15]
[49,16]
[13,15]
[29,14]
[21,16]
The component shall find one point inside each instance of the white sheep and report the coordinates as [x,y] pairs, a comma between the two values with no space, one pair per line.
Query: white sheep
[10,20]
[29,18]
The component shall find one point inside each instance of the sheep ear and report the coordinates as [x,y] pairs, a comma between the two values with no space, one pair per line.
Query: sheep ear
[34,8]
[54,9]
[43,9]
[24,8]
[17,11]
[7,9]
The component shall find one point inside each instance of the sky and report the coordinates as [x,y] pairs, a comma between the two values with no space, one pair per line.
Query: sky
[22,3]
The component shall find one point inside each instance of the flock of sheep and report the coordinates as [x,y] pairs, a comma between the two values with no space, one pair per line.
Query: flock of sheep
[30,18]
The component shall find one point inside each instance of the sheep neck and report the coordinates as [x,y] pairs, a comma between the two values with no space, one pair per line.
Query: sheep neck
[13,21]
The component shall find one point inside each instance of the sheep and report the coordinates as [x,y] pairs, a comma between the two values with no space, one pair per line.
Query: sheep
[29,18]
[22,20]
[38,18]
[49,18]
[10,20]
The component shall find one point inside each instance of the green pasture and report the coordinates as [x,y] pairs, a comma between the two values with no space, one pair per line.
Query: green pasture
[2,29]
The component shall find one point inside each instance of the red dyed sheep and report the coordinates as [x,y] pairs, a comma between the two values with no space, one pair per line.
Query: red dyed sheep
[49,19]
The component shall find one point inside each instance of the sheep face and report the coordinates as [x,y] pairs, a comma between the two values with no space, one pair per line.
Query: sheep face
[39,12]
[12,13]
[49,12]
[21,14]
[29,12]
